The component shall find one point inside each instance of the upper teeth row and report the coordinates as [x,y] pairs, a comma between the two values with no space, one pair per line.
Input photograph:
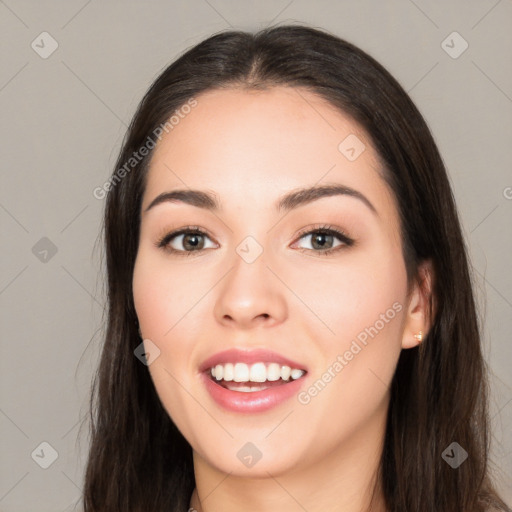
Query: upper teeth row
[257,372]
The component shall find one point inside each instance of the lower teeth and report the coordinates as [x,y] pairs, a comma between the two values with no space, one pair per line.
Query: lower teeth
[246,389]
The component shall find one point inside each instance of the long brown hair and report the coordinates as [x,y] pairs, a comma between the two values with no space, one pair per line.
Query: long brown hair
[138,459]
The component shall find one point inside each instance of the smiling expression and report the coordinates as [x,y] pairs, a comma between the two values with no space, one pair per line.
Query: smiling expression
[257,232]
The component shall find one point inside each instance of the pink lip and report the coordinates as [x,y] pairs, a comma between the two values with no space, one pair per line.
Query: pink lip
[248,357]
[258,401]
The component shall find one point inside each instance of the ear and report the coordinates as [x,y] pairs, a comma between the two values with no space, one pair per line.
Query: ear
[421,307]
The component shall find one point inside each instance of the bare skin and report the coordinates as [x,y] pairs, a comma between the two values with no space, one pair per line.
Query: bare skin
[250,149]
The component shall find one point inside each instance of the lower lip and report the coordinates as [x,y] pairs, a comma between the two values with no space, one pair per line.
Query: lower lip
[255,401]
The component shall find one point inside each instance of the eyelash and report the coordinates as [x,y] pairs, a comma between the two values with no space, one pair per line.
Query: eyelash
[324,229]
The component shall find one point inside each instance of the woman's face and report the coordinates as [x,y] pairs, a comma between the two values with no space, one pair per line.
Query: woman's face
[259,276]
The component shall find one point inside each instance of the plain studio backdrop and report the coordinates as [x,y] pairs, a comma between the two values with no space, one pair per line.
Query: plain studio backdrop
[71,75]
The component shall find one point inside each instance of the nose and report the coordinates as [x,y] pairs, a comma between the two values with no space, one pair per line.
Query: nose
[250,296]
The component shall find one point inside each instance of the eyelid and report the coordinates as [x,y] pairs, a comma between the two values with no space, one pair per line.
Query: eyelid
[340,234]
[164,239]
[322,228]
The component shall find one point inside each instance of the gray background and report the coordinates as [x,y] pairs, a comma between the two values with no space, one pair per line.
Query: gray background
[63,119]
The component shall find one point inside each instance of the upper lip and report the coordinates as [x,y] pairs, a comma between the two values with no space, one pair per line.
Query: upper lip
[235,355]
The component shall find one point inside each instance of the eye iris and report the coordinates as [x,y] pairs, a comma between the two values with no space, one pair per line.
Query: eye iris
[195,243]
[319,238]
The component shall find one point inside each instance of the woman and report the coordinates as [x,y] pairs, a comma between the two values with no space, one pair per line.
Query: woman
[291,319]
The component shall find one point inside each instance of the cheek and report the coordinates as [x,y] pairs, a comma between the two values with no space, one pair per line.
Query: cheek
[363,304]
[162,299]
[164,293]
[352,294]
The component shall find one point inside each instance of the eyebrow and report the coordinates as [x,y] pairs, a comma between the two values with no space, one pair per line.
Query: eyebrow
[292,200]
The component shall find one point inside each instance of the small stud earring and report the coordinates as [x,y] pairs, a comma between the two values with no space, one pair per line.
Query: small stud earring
[419,336]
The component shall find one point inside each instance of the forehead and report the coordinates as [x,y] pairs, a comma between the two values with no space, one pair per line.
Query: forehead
[249,145]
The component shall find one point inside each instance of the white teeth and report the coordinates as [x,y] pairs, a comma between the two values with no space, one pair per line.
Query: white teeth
[257,372]
[246,389]
[241,372]
[273,372]
[296,374]
[228,372]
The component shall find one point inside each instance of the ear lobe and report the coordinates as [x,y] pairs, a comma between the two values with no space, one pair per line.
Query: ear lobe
[421,310]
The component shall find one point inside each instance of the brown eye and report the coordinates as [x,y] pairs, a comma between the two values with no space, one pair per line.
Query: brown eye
[184,241]
[192,241]
[323,240]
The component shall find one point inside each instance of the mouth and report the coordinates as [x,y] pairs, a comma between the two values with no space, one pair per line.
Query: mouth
[251,378]
[251,382]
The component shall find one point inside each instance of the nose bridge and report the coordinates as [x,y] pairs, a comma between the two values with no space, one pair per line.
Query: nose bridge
[250,293]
